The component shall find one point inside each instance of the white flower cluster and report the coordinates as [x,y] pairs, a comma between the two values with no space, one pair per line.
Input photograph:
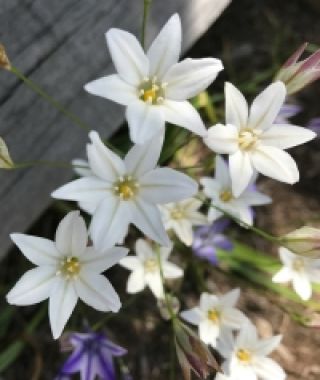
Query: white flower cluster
[118,192]
[230,332]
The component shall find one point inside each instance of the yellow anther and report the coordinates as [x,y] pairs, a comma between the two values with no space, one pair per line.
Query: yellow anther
[149,95]
[214,315]
[248,138]
[126,187]
[244,355]
[70,267]
[226,196]
[177,213]
[150,265]
[298,264]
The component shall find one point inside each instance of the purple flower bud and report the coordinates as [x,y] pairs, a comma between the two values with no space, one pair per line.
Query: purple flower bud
[193,354]
[297,74]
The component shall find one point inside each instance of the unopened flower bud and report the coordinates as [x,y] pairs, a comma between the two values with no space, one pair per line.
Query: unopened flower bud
[298,74]
[4,60]
[304,241]
[5,159]
[193,354]
[163,307]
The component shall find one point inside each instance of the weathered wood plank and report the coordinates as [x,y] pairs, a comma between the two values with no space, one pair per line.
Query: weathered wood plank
[61,45]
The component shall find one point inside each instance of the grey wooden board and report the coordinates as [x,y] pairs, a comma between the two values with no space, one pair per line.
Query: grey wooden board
[61,46]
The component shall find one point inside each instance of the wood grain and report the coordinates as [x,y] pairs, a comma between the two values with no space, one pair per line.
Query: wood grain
[61,46]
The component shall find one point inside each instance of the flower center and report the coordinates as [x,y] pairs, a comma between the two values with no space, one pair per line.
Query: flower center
[244,355]
[150,265]
[298,265]
[248,138]
[214,315]
[126,187]
[152,91]
[177,213]
[70,267]
[226,195]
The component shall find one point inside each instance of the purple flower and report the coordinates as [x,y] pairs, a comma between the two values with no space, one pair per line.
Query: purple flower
[208,238]
[92,356]
[286,112]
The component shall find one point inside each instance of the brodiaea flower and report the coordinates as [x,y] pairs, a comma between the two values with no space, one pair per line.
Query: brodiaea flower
[145,268]
[301,271]
[219,190]
[92,356]
[67,270]
[153,86]
[247,355]
[207,239]
[127,191]
[252,140]
[215,314]
[181,217]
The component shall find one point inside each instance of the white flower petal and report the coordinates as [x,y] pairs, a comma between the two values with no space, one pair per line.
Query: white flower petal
[114,88]
[284,275]
[96,291]
[193,316]
[209,332]
[109,223]
[165,185]
[231,298]
[131,262]
[241,171]
[189,77]
[171,271]
[254,198]
[103,162]
[286,256]
[145,121]
[266,106]
[247,336]
[222,138]
[88,207]
[214,214]
[33,287]
[154,282]
[86,189]
[165,252]
[143,250]
[240,372]
[147,218]
[136,281]
[268,369]
[62,302]
[165,49]
[211,187]
[286,136]
[302,285]
[236,106]
[184,115]
[275,163]
[225,344]
[183,229]
[38,250]
[100,261]
[207,301]
[221,173]
[265,346]
[127,55]
[244,213]
[142,158]
[82,168]
[233,318]
[71,235]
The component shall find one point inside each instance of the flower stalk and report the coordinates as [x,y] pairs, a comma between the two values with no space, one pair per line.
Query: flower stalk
[146,8]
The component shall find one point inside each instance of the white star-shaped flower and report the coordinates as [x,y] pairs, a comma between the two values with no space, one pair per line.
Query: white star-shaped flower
[215,314]
[145,268]
[181,217]
[127,191]
[154,86]
[67,269]
[253,142]
[247,355]
[299,270]
[219,190]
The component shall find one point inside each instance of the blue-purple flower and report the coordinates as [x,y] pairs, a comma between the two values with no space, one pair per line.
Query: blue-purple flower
[207,239]
[92,356]
[286,112]
[314,125]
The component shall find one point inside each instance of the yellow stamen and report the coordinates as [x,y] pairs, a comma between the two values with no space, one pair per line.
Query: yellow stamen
[70,267]
[244,355]
[214,315]
[150,265]
[126,187]
[226,196]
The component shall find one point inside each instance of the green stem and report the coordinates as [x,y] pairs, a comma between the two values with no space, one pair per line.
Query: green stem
[67,113]
[146,8]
